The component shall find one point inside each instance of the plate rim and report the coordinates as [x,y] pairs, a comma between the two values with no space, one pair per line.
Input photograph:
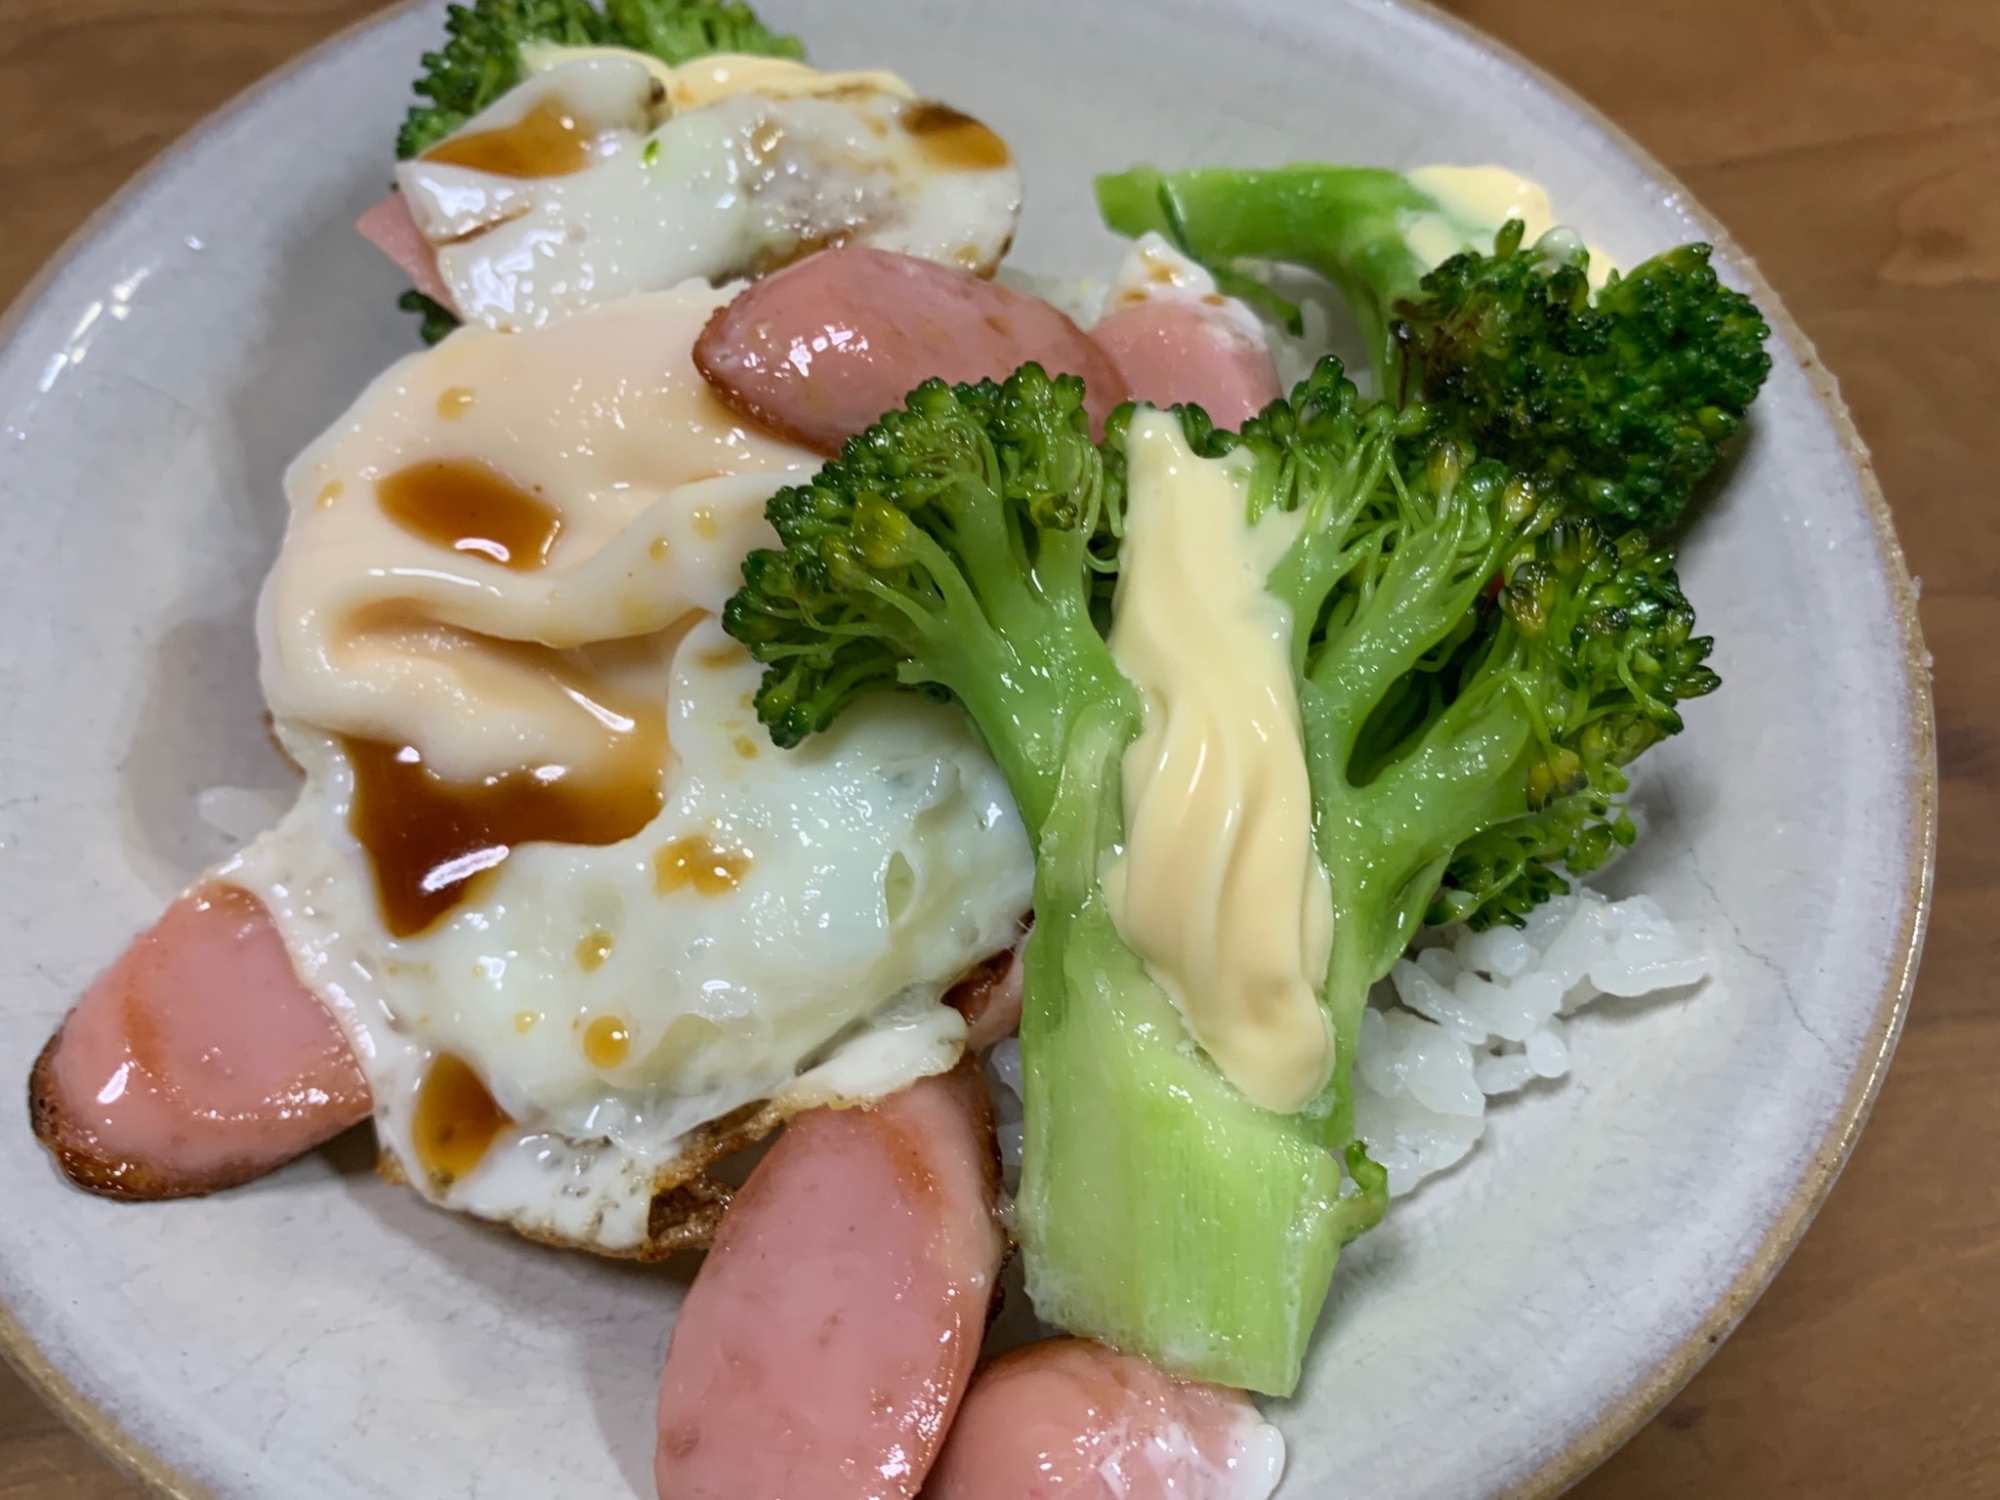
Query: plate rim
[1622,1417]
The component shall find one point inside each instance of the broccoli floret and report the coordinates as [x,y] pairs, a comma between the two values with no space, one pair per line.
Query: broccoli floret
[1483,665]
[677,31]
[953,547]
[481,57]
[481,60]
[1623,403]
[1475,664]
[438,320]
[1346,224]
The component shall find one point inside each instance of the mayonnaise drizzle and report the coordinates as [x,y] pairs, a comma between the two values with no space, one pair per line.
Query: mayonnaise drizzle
[1218,889]
[1474,202]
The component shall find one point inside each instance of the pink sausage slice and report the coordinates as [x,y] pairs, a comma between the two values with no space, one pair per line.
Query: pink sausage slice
[1173,351]
[1071,1420]
[389,226]
[822,1350]
[197,1062]
[821,349]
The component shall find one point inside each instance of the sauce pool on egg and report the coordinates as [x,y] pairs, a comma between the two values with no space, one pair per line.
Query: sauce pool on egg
[467,506]
[456,1121]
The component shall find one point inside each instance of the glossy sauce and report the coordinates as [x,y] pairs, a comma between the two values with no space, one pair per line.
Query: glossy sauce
[455,401]
[466,506]
[695,861]
[429,839]
[953,141]
[455,1123]
[607,1041]
[545,142]
[592,949]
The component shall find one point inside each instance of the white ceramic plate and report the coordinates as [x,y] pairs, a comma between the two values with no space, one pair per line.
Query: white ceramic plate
[324,1336]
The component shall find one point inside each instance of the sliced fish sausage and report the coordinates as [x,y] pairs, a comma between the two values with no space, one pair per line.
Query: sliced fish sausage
[1067,1419]
[822,1351]
[820,350]
[1171,351]
[197,1062]
[390,227]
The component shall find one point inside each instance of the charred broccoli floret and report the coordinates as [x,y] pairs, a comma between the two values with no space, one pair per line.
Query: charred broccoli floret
[1623,402]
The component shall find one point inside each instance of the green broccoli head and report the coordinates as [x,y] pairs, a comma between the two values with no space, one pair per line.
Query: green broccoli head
[677,31]
[1477,661]
[1624,402]
[948,548]
[437,319]
[1607,638]
[481,57]
[481,60]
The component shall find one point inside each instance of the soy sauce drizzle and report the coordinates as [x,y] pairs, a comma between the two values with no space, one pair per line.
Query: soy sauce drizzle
[429,840]
[545,142]
[465,506]
[953,140]
[455,1123]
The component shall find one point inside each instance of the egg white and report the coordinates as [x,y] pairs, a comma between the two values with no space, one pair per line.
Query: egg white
[876,863]
[886,858]
[697,172]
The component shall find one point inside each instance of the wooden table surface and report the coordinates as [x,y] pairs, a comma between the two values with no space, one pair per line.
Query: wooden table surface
[1854,148]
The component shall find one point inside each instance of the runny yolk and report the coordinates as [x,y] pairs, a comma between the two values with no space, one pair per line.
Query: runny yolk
[428,838]
[465,506]
[953,141]
[606,1042]
[695,861]
[456,1121]
[545,142]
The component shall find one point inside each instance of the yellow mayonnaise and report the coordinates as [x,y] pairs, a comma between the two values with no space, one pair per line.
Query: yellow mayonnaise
[605,495]
[1474,202]
[1218,888]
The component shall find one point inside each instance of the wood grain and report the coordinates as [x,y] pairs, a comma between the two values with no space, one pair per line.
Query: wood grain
[1854,147]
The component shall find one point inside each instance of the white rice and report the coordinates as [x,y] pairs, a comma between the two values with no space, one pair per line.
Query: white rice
[1463,1018]
[1468,1016]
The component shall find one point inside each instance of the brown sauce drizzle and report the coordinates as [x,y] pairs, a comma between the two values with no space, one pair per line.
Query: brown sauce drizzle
[954,141]
[607,1042]
[455,1123]
[702,863]
[465,506]
[429,839]
[545,142]
[592,949]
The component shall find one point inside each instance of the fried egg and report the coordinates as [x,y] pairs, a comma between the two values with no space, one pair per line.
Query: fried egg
[607,173]
[581,921]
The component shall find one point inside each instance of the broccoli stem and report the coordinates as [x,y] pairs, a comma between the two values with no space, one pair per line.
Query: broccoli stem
[1385,844]
[1344,223]
[1160,1211]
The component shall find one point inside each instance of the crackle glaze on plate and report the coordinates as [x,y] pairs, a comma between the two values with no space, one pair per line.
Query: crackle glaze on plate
[324,1336]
